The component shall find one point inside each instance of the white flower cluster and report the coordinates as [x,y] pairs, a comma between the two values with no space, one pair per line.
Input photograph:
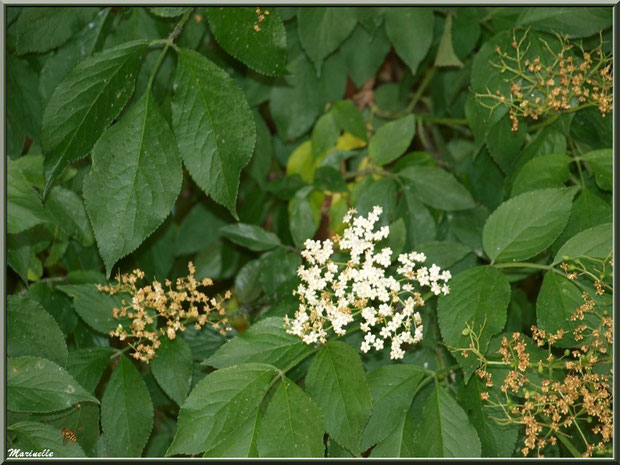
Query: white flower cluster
[332,293]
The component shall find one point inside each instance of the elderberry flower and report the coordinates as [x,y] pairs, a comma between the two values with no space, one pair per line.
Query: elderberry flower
[332,294]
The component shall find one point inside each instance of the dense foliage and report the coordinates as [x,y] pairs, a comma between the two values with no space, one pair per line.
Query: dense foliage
[325,232]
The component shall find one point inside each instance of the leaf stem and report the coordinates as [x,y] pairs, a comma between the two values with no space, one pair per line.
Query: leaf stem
[169,43]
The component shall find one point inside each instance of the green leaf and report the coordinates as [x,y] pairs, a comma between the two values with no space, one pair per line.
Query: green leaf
[95,307]
[85,102]
[337,383]
[322,29]
[570,21]
[126,411]
[87,365]
[219,406]
[133,182]
[601,162]
[304,214]
[541,172]
[23,102]
[242,443]
[295,106]
[503,143]
[418,220]
[588,210]
[83,420]
[191,237]
[266,341]
[44,28]
[349,119]
[38,385]
[277,267]
[527,224]
[292,425]
[168,11]
[250,236]
[496,440]
[557,300]
[67,209]
[363,54]
[324,134]
[24,207]
[39,437]
[263,50]
[465,31]
[172,367]
[479,298]
[443,253]
[214,127]
[393,388]
[411,32]
[437,188]
[445,430]
[33,331]
[596,242]
[399,442]
[77,49]
[445,53]
[391,140]
[247,282]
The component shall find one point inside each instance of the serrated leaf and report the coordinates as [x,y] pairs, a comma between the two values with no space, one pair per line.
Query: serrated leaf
[349,119]
[445,430]
[87,365]
[292,425]
[277,267]
[399,442]
[126,411]
[219,407]
[601,162]
[247,284]
[95,307]
[85,102]
[437,188]
[596,242]
[39,437]
[391,140]
[266,341]
[323,29]
[172,367]
[527,224]
[242,443]
[67,209]
[443,253]
[393,388]
[250,236]
[411,32]
[259,43]
[541,172]
[33,331]
[133,182]
[479,298]
[337,383]
[24,207]
[214,127]
[44,28]
[39,385]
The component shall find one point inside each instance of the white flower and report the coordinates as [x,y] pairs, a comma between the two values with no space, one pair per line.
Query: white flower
[331,295]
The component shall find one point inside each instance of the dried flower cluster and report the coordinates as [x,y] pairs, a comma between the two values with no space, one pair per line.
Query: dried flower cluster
[558,394]
[557,81]
[333,293]
[156,311]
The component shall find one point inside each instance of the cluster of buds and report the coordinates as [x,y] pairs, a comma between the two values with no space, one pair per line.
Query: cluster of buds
[260,17]
[333,293]
[155,312]
[559,81]
[557,394]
